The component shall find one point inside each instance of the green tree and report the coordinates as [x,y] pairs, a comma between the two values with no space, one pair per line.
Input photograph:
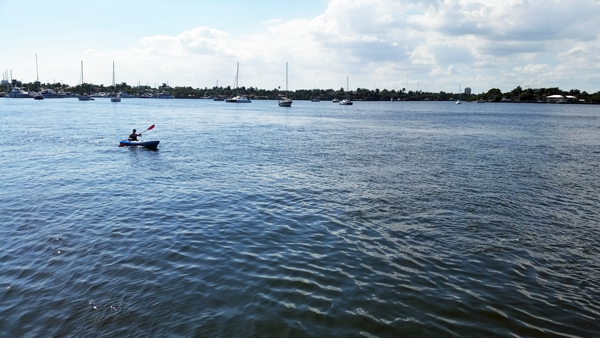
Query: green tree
[493,95]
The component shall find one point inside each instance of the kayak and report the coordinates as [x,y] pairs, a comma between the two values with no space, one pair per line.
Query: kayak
[145,144]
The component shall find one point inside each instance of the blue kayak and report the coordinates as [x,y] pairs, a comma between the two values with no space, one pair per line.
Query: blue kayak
[145,144]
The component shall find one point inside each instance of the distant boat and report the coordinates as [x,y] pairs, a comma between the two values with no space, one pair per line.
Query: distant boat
[84,97]
[459,89]
[51,94]
[286,102]
[165,95]
[315,98]
[18,93]
[335,101]
[217,97]
[347,101]
[116,97]
[238,98]
[37,95]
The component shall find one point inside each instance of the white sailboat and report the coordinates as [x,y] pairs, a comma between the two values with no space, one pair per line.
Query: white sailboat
[347,101]
[238,98]
[84,97]
[37,95]
[286,102]
[459,89]
[218,97]
[116,97]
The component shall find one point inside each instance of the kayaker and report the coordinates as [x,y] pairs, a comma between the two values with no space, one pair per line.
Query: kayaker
[133,136]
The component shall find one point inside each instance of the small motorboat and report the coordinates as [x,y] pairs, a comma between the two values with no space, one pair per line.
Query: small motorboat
[145,144]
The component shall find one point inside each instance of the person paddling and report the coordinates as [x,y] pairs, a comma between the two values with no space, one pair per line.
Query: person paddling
[134,136]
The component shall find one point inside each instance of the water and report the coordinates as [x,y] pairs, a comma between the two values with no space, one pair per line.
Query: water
[374,220]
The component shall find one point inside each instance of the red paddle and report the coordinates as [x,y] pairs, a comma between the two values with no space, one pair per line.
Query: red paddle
[150,128]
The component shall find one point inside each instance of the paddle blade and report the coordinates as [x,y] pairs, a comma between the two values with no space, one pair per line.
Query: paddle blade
[151,127]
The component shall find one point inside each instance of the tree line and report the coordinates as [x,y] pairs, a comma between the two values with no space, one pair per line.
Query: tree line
[518,94]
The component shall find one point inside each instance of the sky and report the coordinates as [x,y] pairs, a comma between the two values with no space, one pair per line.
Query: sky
[427,45]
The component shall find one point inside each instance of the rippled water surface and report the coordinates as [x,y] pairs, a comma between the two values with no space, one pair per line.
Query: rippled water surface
[373,220]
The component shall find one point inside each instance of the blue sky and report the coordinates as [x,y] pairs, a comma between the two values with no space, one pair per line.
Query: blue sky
[431,45]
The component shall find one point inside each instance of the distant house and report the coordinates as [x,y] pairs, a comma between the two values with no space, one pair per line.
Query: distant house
[555,99]
[571,99]
[561,99]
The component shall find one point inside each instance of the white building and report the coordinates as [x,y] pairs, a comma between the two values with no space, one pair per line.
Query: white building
[555,99]
[561,99]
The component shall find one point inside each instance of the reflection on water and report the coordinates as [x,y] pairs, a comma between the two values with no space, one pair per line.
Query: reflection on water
[378,220]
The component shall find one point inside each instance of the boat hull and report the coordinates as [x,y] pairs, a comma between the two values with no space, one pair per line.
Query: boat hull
[285,103]
[239,99]
[145,144]
[18,95]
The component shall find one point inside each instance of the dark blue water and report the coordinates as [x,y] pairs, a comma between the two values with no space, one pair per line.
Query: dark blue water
[373,220]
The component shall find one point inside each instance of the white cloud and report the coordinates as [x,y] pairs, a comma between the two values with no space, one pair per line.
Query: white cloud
[379,43]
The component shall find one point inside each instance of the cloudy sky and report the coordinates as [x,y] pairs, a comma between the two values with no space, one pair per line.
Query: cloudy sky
[429,45]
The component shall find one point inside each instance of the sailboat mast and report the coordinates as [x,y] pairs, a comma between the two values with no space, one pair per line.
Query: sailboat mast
[286,79]
[237,73]
[37,74]
[36,69]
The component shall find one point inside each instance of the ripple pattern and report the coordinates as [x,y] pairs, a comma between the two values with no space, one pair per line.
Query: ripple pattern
[387,220]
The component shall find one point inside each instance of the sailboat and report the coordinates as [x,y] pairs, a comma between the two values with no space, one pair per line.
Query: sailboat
[459,89]
[218,97]
[116,97]
[84,97]
[347,101]
[286,102]
[238,98]
[37,95]
[315,98]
